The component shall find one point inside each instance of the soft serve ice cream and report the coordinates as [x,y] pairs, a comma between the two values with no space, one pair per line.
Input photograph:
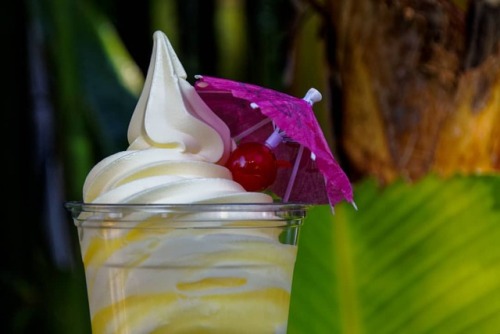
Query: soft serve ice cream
[165,280]
[177,146]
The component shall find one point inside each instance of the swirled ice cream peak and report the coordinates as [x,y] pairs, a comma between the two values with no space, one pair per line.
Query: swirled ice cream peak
[177,146]
[171,114]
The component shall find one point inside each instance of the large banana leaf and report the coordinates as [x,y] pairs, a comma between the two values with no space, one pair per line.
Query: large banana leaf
[415,258]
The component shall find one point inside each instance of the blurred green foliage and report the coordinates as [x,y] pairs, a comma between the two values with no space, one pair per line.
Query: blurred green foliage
[415,258]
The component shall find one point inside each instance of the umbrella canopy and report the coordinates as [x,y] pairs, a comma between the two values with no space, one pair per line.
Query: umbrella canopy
[253,113]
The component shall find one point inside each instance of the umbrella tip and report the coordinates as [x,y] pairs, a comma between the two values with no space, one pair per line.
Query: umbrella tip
[313,96]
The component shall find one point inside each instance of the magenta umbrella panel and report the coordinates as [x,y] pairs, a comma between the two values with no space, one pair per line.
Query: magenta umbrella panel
[285,127]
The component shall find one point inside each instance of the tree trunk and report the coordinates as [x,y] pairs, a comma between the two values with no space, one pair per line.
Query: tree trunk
[420,83]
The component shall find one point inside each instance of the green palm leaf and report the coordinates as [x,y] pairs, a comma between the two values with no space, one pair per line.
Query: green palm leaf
[415,258]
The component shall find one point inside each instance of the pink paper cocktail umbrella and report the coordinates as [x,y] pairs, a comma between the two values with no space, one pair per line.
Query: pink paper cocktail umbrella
[289,126]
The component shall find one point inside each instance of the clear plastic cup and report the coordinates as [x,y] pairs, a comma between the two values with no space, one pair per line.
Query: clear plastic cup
[188,268]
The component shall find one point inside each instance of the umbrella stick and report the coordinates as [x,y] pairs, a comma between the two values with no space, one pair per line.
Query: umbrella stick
[251,129]
[294,174]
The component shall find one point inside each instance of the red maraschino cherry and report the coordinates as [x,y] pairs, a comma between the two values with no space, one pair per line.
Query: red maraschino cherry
[254,165]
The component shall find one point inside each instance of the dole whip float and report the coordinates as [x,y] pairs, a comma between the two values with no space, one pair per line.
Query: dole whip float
[179,280]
